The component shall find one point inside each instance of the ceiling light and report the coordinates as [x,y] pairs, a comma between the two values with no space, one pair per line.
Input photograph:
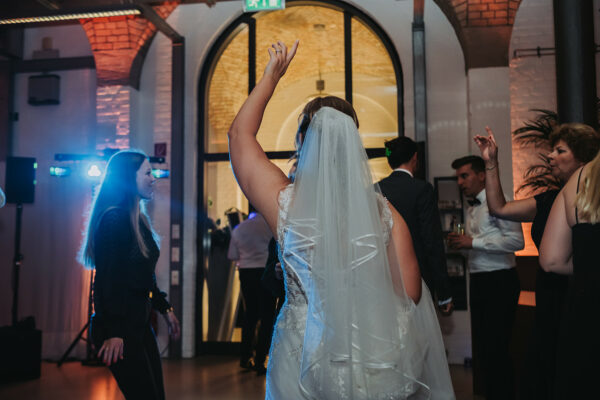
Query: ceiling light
[65,17]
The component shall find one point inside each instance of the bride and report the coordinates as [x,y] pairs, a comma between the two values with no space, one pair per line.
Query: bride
[357,323]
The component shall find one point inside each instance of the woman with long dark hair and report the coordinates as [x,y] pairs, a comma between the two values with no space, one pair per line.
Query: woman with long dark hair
[122,247]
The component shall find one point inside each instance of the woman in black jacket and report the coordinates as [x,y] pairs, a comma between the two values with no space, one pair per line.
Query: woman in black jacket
[123,248]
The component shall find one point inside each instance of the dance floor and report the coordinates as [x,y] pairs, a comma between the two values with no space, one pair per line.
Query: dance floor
[207,378]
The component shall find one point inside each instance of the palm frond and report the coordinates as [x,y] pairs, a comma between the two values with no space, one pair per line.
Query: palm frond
[535,170]
[538,177]
[538,130]
[535,186]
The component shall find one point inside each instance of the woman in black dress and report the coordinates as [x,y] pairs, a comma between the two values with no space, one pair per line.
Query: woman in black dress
[570,246]
[123,248]
[573,145]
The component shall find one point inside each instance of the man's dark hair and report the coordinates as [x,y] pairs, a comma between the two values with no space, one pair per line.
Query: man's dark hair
[477,163]
[399,151]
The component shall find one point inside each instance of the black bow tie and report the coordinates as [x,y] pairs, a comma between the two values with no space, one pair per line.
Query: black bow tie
[474,202]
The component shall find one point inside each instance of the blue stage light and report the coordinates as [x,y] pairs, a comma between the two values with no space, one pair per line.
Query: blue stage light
[160,173]
[60,171]
[94,171]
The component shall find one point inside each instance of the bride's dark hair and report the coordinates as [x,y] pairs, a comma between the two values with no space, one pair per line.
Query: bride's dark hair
[311,108]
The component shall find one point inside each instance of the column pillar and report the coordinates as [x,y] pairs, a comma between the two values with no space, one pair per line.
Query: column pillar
[575,61]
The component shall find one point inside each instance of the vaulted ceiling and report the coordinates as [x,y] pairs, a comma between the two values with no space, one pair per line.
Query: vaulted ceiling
[28,8]
[483,27]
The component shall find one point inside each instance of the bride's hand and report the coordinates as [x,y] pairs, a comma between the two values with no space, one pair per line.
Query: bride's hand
[280,59]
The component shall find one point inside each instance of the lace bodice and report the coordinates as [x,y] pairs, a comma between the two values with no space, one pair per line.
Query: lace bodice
[295,295]
[285,199]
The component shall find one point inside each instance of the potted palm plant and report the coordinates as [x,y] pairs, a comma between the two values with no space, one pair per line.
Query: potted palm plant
[537,132]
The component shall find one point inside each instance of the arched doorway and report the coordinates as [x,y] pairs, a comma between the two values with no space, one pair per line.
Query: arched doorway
[343,52]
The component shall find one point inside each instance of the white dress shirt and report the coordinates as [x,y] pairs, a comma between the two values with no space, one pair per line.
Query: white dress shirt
[404,170]
[494,240]
[249,243]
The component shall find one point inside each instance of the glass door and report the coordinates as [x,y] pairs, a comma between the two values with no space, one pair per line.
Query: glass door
[342,53]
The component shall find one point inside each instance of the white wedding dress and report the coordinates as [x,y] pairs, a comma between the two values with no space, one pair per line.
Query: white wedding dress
[347,329]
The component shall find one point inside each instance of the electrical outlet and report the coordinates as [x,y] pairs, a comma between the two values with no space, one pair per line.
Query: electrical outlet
[175,254]
[174,278]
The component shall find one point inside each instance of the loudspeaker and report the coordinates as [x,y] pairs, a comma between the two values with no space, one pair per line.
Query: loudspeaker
[20,180]
[44,89]
[21,350]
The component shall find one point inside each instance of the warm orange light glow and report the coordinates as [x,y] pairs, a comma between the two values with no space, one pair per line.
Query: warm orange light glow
[527,298]
[529,249]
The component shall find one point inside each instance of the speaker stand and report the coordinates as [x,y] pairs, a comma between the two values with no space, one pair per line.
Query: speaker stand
[91,359]
[17,259]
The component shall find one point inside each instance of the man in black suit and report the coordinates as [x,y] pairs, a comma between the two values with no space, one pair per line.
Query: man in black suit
[415,201]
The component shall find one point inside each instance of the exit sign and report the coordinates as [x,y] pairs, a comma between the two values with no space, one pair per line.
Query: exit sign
[261,5]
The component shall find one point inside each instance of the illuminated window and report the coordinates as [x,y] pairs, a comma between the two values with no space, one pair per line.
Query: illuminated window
[342,53]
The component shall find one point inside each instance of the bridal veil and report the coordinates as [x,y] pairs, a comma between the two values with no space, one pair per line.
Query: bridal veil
[364,338]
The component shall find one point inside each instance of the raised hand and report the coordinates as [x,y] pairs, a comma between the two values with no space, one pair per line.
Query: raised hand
[280,59]
[487,146]
[111,350]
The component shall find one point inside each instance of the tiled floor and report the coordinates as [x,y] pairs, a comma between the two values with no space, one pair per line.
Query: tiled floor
[207,378]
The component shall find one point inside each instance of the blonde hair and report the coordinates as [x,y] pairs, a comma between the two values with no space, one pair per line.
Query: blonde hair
[588,198]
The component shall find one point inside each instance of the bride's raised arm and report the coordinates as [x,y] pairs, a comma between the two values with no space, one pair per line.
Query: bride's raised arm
[260,179]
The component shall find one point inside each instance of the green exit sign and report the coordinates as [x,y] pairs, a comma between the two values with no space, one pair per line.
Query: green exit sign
[261,5]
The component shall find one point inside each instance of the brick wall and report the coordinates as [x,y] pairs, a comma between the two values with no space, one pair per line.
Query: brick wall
[115,43]
[533,82]
[532,85]
[472,13]
[112,116]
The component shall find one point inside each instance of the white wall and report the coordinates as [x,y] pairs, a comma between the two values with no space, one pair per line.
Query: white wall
[532,79]
[54,286]
[150,117]
[489,105]
[70,40]
[448,132]
[532,85]
[448,137]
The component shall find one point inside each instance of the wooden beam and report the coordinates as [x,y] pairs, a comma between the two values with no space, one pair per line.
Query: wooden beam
[54,64]
[151,15]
